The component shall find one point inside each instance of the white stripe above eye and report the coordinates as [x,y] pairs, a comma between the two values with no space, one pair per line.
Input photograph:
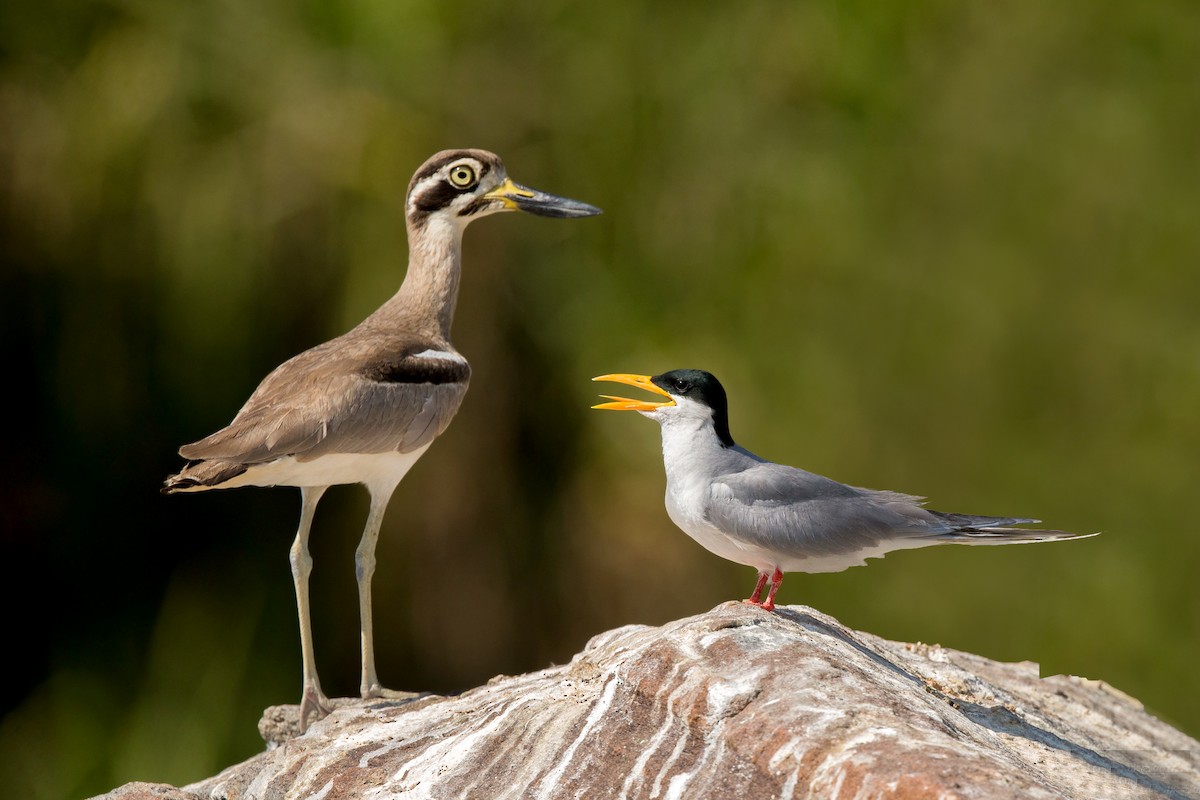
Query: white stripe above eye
[440,355]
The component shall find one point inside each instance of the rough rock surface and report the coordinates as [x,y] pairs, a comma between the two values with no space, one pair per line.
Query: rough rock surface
[735,703]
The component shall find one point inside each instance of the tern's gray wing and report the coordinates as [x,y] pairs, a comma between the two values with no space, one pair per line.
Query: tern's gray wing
[803,515]
[352,397]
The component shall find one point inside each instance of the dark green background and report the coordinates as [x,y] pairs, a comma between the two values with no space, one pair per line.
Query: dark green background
[945,248]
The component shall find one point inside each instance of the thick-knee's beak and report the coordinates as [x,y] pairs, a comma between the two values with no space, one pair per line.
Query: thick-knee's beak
[625,404]
[522,198]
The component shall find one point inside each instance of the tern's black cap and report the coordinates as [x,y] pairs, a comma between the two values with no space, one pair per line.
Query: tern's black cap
[700,387]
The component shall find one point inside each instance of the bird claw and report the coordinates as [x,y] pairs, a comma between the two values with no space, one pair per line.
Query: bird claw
[313,702]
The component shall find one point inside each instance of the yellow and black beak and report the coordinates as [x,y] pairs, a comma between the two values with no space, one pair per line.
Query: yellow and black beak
[625,404]
[516,197]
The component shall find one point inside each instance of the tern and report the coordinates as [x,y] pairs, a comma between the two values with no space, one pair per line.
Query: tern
[777,518]
[362,408]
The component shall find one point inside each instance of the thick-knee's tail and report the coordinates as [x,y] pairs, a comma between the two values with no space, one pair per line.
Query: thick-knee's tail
[200,475]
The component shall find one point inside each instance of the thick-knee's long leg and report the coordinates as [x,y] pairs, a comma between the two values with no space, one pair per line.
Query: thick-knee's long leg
[364,563]
[312,699]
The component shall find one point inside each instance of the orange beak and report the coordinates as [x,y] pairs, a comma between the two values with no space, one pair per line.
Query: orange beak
[624,403]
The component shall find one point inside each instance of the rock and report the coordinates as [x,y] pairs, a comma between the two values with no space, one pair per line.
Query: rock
[150,791]
[281,723]
[734,703]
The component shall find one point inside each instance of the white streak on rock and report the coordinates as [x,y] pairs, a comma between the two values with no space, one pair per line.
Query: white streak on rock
[550,782]
[442,756]
[680,743]
[637,777]
[723,694]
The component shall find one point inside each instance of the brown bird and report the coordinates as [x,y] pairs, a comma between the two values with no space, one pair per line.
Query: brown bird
[362,408]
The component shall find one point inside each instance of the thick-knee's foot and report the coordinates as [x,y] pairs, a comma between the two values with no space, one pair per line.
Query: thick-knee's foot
[378,692]
[372,692]
[314,705]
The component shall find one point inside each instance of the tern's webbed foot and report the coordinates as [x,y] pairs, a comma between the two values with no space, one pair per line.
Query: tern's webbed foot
[765,605]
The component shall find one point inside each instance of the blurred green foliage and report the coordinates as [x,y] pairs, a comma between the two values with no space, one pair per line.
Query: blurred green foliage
[944,248]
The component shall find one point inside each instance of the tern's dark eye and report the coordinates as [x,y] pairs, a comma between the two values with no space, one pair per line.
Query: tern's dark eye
[462,176]
[681,385]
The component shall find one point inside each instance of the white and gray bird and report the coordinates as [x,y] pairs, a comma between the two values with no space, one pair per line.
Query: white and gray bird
[777,518]
[362,408]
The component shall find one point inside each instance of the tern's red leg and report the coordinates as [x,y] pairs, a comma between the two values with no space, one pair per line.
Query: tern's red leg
[755,599]
[776,580]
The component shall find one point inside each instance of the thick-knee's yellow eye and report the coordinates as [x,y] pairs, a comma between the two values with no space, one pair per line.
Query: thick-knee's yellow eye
[463,176]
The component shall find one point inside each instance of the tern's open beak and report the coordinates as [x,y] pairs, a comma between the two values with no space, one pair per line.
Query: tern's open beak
[518,197]
[625,404]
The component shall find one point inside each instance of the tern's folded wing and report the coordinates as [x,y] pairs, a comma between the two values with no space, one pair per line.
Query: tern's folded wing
[803,515]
